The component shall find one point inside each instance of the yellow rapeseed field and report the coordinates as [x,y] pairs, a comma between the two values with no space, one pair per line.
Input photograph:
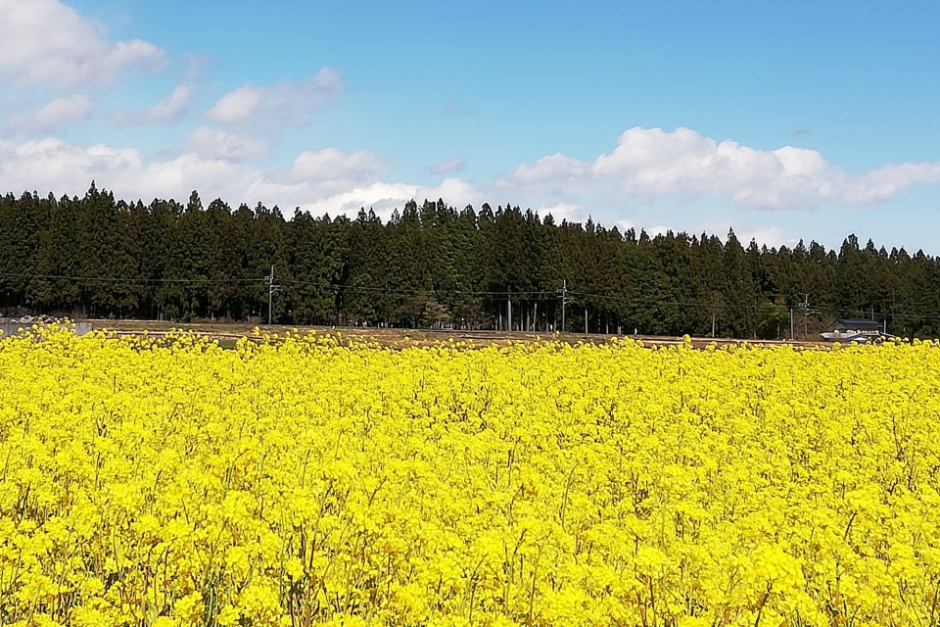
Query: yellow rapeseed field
[306,481]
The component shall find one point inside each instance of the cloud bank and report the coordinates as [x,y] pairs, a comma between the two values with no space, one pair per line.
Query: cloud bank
[647,164]
[325,181]
[652,163]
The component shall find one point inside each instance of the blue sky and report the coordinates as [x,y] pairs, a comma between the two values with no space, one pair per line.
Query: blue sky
[783,120]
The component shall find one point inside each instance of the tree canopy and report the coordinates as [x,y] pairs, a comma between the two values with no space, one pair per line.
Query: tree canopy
[435,265]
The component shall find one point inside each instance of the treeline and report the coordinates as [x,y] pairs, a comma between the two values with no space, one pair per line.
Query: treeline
[433,265]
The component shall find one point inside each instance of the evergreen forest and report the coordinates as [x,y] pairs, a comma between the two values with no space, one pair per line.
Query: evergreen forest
[432,265]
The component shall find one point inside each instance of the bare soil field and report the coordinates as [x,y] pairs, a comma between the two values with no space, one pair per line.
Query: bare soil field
[227,332]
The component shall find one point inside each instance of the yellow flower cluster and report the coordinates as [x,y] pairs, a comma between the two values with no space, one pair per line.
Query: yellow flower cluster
[310,481]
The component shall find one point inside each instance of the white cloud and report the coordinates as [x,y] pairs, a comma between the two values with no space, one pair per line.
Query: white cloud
[562,211]
[52,165]
[236,106]
[289,103]
[771,236]
[213,143]
[322,181]
[652,163]
[552,172]
[332,173]
[659,229]
[55,114]
[46,41]
[386,197]
[447,167]
[332,164]
[171,109]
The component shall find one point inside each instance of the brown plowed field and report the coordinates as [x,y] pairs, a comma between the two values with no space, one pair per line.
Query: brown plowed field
[396,337]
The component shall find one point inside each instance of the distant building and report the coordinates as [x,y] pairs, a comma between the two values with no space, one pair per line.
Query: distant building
[16,326]
[858,330]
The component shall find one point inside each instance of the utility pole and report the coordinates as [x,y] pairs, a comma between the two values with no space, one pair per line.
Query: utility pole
[509,314]
[805,306]
[272,287]
[713,324]
[564,301]
[791,324]
[585,320]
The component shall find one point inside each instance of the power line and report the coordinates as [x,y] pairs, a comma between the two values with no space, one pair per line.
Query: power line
[20,275]
[562,294]
[401,290]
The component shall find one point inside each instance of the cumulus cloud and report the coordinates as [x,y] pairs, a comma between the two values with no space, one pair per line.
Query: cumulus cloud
[321,181]
[170,110]
[289,103]
[55,114]
[46,41]
[213,143]
[447,167]
[652,163]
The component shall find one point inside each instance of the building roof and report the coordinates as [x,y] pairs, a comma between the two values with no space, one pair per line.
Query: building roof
[857,324]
